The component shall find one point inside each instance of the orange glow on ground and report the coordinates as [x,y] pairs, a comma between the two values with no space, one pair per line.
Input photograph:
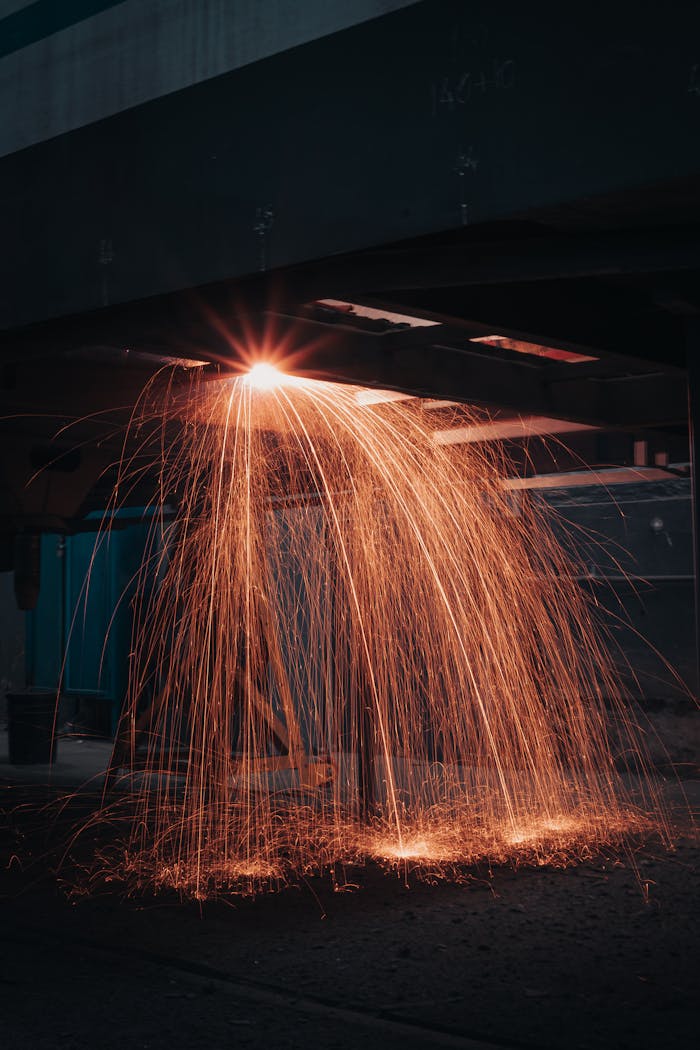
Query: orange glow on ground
[413,849]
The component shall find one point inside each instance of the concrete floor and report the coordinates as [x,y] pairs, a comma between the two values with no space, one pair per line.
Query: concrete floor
[79,761]
[602,955]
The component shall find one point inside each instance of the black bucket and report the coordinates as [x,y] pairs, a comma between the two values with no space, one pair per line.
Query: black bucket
[30,726]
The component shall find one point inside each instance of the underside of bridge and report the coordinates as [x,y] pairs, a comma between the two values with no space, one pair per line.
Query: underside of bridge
[434,201]
[427,201]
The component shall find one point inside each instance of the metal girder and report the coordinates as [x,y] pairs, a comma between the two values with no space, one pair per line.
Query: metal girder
[596,449]
[585,316]
[432,118]
[436,361]
[626,402]
[471,261]
[693,357]
[472,373]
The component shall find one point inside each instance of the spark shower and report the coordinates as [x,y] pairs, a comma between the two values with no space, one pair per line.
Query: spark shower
[350,642]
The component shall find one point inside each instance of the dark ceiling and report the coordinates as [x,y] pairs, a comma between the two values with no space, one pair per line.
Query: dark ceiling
[531,179]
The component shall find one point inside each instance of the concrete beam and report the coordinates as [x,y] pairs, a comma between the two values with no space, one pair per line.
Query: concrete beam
[139,50]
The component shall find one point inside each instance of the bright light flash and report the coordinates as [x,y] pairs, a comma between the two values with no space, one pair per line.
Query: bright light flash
[264,376]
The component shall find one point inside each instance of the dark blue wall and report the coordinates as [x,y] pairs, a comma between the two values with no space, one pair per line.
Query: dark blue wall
[635,546]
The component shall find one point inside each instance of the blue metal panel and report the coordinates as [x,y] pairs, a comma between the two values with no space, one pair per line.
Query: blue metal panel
[79,635]
[88,608]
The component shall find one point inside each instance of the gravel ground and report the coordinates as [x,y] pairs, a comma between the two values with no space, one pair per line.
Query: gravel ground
[600,955]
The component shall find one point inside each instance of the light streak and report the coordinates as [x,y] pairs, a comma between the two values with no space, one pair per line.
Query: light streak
[356,651]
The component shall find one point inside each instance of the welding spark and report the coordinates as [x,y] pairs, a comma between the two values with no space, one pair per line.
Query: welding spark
[264,376]
[347,645]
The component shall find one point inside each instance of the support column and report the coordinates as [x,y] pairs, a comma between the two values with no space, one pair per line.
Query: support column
[693,364]
[363,736]
[367,786]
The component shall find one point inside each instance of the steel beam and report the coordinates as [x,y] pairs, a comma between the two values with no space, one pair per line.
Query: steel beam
[495,378]
[693,358]
[438,117]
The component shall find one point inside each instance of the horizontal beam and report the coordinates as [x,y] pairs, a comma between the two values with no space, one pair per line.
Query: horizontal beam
[483,262]
[585,478]
[589,317]
[507,380]
[522,428]
[434,361]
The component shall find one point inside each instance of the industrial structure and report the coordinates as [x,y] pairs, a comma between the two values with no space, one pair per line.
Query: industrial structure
[488,210]
[423,198]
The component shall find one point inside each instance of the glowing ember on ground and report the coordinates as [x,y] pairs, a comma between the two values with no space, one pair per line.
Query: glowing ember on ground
[437,852]
[411,850]
[560,824]
[538,830]
[352,647]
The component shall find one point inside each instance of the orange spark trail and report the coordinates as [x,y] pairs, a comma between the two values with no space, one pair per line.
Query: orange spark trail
[353,646]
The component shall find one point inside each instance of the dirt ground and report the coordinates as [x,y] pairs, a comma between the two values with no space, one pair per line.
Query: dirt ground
[601,955]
